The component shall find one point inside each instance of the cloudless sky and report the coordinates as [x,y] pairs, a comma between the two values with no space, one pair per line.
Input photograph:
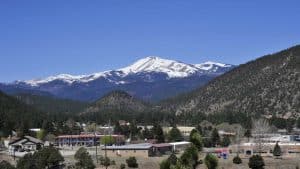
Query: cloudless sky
[42,38]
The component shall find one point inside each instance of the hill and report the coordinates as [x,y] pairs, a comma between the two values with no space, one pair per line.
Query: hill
[119,105]
[269,85]
[16,115]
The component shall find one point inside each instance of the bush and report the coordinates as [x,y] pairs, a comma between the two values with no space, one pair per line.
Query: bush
[6,165]
[131,162]
[256,162]
[237,160]
[122,166]
[105,161]
[172,159]
[211,161]
[165,164]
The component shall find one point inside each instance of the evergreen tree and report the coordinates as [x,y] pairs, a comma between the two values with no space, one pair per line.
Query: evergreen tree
[196,139]
[199,128]
[225,141]
[215,138]
[211,161]
[190,157]
[256,162]
[172,159]
[158,133]
[298,122]
[175,135]
[147,134]
[277,150]
[84,160]
[248,134]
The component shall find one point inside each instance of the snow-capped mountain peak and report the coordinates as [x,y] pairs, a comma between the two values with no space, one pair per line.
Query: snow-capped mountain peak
[172,68]
[156,64]
[208,65]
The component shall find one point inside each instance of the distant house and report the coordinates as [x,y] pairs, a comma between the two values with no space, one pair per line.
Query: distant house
[180,146]
[185,130]
[26,143]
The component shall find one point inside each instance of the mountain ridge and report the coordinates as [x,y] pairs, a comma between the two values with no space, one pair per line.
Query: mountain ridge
[268,85]
[150,79]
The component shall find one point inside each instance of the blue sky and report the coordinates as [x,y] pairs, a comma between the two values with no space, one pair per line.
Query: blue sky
[42,38]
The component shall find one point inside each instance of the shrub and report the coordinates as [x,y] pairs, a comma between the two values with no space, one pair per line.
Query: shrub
[105,161]
[256,162]
[211,161]
[6,165]
[122,166]
[172,159]
[165,164]
[131,162]
[237,160]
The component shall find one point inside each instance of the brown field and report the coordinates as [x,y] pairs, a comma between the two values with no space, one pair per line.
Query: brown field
[153,162]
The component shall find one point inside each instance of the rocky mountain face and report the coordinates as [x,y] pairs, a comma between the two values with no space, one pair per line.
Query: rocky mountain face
[150,79]
[269,85]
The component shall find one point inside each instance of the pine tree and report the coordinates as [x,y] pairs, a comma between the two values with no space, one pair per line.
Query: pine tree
[215,138]
[277,150]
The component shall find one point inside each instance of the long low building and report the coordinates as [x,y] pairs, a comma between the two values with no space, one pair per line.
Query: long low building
[145,149]
[86,139]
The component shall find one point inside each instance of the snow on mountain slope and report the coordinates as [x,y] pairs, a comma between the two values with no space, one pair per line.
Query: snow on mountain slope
[173,69]
[155,64]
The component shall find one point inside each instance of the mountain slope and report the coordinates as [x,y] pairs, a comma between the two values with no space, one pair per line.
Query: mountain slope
[17,115]
[51,104]
[150,79]
[268,85]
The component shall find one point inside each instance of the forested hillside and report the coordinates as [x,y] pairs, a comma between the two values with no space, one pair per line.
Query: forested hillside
[51,104]
[119,105]
[15,115]
[269,85]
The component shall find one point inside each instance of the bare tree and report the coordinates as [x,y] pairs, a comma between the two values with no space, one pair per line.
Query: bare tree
[260,129]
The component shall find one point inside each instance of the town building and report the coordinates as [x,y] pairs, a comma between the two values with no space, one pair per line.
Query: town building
[86,140]
[139,150]
[185,130]
[26,143]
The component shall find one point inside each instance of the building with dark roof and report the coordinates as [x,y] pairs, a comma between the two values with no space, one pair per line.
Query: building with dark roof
[26,143]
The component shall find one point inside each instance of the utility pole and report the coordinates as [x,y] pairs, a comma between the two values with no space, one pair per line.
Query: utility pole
[95,142]
[105,139]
